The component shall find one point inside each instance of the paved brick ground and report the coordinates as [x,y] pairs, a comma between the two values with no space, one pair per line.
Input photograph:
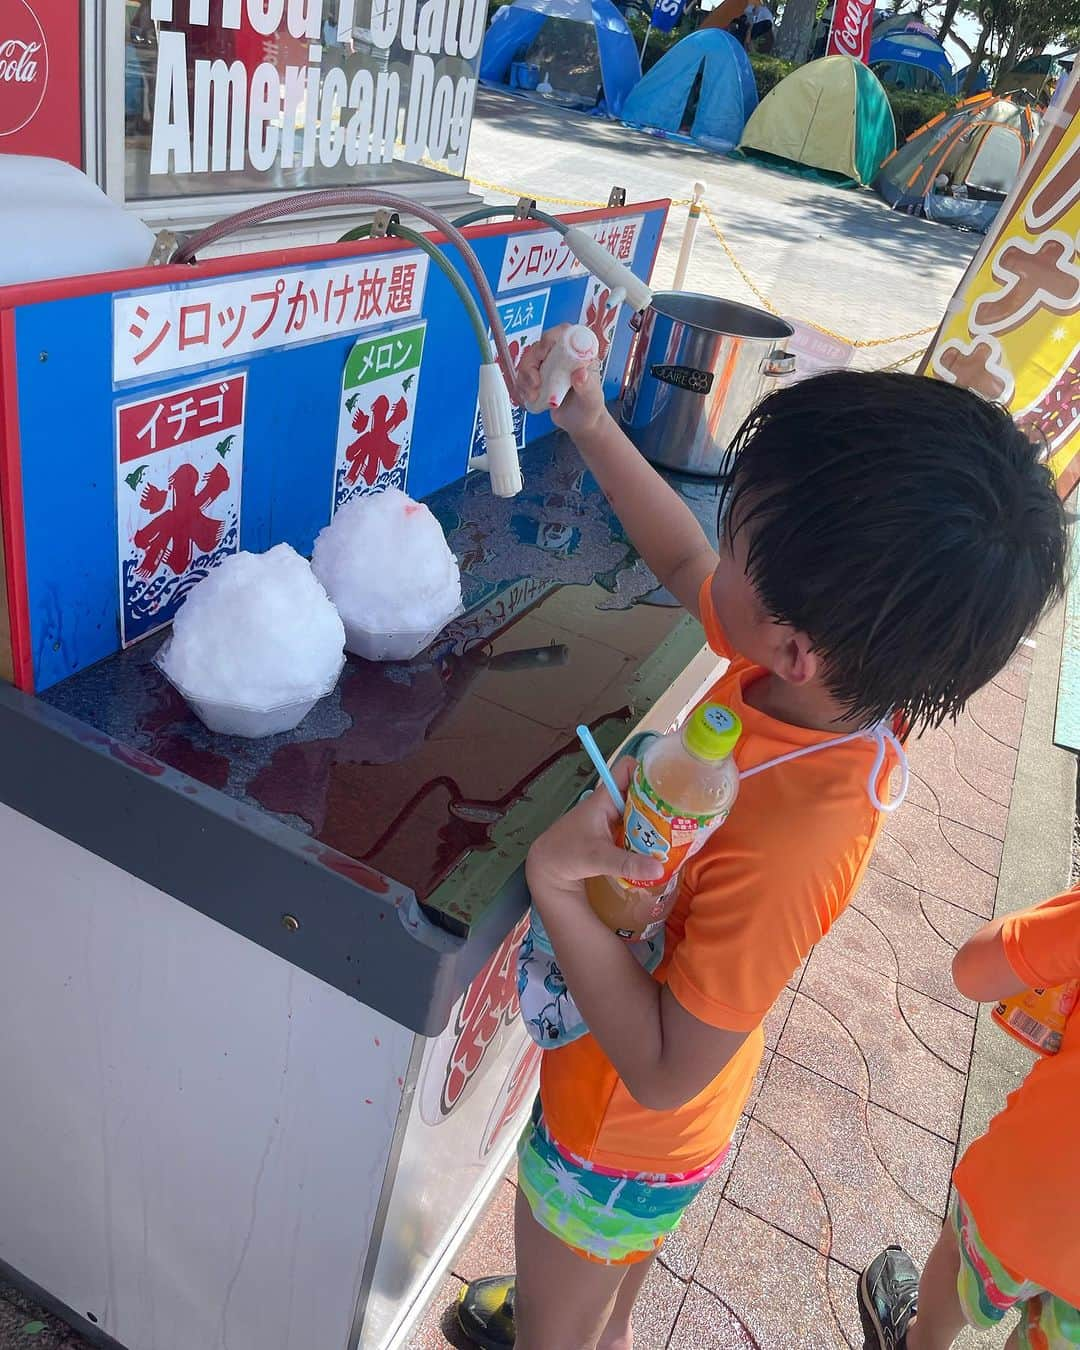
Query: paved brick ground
[851,1136]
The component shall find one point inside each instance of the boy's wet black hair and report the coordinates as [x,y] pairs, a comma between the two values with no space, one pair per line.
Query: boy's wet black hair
[906,526]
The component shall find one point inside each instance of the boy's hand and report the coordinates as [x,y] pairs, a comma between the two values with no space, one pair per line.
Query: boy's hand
[583,410]
[581,845]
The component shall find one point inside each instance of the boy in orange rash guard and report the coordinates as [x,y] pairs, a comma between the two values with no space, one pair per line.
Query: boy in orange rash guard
[887,542]
[1013,1239]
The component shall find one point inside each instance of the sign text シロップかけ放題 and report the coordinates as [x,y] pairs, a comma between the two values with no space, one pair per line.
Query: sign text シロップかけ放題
[162,330]
[543,255]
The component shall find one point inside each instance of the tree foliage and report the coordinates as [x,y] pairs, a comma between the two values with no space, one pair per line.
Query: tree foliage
[1023,28]
[1010,31]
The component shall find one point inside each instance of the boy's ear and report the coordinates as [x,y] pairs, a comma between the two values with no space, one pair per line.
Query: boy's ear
[798,662]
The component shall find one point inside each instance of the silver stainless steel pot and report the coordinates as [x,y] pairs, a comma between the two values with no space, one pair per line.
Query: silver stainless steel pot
[699,367]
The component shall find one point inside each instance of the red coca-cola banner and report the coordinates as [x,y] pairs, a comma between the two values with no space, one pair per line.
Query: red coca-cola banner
[849,33]
[40,79]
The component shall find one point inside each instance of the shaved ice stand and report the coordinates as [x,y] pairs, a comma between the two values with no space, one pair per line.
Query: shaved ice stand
[262,1049]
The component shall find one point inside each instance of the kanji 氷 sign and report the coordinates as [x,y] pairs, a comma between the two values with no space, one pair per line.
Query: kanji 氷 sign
[1011,331]
[178,481]
[544,256]
[378,403]
[155,332]
[523,321]
[599,314]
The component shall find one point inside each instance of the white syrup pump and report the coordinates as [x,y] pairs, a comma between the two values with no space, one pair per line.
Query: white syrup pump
[577,347]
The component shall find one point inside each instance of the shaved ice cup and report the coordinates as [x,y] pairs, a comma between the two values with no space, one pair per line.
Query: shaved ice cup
[400,646]
[241,719]
[385,563]
[256,644]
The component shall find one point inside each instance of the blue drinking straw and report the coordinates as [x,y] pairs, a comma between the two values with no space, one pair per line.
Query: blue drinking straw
[585,736]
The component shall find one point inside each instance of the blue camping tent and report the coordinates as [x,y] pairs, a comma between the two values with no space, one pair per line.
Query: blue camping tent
[979,85]
[886,22]
[727,97]
[579,52]
[912,61]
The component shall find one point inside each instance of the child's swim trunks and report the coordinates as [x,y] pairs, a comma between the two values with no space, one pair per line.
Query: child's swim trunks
[611,1217]
[988,1291]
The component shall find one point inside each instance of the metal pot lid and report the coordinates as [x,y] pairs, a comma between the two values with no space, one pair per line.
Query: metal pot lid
[725,317]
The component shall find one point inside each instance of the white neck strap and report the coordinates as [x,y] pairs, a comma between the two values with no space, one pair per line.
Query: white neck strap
[882,735]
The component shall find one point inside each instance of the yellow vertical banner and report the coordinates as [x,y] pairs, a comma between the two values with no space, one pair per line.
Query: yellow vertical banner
[1012,330]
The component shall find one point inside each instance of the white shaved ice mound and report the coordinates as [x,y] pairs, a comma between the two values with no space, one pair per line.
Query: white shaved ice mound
[258,632]
[385,563]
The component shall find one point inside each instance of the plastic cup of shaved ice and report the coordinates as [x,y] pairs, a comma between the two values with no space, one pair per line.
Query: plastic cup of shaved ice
[255,645]
[238,719]
[386,565]
[400,646]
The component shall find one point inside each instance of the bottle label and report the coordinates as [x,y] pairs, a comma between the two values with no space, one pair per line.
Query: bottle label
[1037,1017]
[652,827]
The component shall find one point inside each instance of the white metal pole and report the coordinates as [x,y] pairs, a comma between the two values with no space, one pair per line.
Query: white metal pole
[645,40]
[689,235]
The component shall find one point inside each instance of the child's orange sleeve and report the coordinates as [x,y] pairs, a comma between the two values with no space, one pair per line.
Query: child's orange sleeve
[1043,944]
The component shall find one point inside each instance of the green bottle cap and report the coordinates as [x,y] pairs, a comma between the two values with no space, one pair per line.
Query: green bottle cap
[712,732]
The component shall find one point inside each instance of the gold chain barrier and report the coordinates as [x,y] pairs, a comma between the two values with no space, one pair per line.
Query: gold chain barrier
[766,303]
[744,275]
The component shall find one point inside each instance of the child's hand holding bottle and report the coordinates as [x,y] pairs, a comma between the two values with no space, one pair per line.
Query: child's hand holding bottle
[581,844]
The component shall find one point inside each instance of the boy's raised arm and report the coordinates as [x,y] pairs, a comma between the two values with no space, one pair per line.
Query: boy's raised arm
[661,526]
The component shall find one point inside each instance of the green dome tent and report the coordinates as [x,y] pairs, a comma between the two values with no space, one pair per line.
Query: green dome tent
[830,119]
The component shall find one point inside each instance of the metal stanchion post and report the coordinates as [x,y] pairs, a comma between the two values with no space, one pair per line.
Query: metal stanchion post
[689,235]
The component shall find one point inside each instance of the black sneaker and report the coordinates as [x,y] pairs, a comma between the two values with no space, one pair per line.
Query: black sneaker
[485,1312]
[888,1299]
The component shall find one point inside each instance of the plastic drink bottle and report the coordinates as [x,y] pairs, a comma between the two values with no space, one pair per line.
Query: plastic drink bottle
[683,788]
[1037,1017]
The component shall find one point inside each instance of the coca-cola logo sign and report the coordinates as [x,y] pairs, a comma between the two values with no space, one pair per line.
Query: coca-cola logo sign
[24,66]
[850,29]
